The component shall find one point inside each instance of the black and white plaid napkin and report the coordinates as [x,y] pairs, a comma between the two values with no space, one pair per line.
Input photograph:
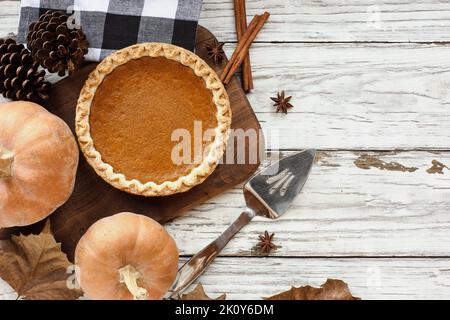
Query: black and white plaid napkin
[115,24]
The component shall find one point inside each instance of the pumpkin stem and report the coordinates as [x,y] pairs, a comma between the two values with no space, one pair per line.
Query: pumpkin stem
[129,276]
[6,160]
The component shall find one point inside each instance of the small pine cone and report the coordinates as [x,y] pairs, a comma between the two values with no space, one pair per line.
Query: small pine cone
[54,45]
[20,77]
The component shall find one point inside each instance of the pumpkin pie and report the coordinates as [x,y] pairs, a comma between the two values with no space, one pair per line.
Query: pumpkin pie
[153,119]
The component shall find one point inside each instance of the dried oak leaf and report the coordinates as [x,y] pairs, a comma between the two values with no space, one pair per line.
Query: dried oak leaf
[36,268]
[332,289]
[199,294]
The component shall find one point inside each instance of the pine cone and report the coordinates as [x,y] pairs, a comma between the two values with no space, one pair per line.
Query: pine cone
[54,45]
[20,78]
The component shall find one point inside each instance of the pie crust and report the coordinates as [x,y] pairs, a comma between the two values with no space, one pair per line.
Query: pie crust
[219,98]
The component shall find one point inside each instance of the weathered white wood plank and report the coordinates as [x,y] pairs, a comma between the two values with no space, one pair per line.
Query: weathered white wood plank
[343,210]
[253,278]
[6,292]
[9,17]
[317,21]
[337,20]
[355,96]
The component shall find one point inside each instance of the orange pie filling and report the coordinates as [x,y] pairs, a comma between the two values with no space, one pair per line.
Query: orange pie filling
[141,114]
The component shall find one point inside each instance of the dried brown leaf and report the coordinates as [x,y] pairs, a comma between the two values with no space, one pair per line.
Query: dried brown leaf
[332,289]
[199,294]
[36,268]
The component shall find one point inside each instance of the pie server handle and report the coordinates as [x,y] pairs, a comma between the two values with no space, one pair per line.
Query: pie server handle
[193,268]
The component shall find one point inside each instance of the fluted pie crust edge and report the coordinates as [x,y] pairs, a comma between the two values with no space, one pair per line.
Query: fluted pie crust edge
[212,83]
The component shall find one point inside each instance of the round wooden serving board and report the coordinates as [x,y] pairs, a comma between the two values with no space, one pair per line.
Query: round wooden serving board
[94,199]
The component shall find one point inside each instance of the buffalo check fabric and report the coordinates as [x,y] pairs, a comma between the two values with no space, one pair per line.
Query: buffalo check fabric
[110,25]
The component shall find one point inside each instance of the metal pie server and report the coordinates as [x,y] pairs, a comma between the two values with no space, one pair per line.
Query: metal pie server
[268,194]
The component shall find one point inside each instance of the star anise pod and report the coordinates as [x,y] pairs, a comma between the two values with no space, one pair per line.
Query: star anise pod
[215,51]
[282,102]
[265,245]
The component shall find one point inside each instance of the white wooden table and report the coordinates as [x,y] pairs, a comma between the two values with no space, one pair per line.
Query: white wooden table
[370,80]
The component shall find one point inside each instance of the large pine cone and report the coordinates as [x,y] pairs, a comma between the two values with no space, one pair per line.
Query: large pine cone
[56,47]
[20,77]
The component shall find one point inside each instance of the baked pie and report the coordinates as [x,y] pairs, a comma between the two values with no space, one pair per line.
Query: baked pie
[136,106]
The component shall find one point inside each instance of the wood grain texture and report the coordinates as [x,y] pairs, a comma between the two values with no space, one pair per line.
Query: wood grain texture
[367,278]
[9,17]
[343,210]
[337,20]
[354,96]
[253,278]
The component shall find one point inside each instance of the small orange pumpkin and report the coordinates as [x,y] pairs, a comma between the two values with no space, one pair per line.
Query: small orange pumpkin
[38,163]
[126,256]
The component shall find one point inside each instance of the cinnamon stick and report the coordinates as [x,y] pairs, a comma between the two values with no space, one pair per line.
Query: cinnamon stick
[240,13]
[240,46]
[243,46]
